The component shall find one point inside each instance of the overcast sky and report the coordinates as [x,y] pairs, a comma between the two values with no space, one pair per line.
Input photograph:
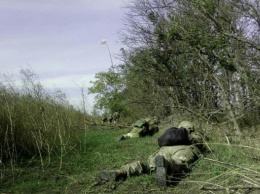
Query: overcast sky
[59,40]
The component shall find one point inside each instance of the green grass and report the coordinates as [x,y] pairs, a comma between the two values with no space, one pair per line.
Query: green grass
[103,151]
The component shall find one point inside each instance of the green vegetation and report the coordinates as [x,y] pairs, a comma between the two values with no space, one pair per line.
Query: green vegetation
[196,57]
[184,60]
[36,123]
[49,147]
[233,165]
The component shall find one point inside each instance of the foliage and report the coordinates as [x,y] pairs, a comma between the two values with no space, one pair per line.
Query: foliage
[190,59]
[192,56]
[108,89]
[78,174]
[34,122]
[195,57]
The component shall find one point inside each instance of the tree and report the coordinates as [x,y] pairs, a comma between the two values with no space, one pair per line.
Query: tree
[201,56]
[108,87]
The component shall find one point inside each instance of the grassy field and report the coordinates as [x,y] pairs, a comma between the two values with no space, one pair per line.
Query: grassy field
[226,167]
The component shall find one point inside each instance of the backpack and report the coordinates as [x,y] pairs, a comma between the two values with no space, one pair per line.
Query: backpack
[174,136]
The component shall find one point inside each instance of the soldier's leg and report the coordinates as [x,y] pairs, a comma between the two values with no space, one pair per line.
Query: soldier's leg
[161,170]
[179,160]
[128,135]
[122,137]
[136,168]
[158,164]
[125,136]
[110,175]
[171,160]
[131,169]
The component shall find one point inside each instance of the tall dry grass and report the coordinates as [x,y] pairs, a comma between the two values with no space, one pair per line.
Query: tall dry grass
[35,122]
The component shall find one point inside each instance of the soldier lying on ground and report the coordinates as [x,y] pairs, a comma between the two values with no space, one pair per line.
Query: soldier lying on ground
[184,134]
[167,162]
[104,119]
[111,118]
[143,127]
[114,117]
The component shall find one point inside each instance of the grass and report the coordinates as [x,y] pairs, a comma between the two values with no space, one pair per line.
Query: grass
[35,121]
[226,166]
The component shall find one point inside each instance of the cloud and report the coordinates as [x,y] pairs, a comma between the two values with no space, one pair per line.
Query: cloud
[56,39]
[69,81]
[77,99]
[59,40]
[38,5]
[73,86]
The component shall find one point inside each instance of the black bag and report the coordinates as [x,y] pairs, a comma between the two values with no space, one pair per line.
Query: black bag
[174,136]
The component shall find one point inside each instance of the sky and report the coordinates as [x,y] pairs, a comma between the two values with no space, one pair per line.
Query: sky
[60,41]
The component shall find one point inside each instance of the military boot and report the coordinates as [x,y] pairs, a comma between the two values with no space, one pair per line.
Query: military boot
[111,175]
[161,171]
[122,137]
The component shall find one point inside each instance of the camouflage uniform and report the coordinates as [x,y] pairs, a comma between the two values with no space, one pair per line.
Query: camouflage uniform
[152,125]
[110,118]
[177,158]
[165,162]
[168,159]
[116,117]
[143,127]
[104,119]
[195,138]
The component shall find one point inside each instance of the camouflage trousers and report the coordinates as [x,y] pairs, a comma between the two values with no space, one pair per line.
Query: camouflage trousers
[177,158]
[131,135]
[135,132]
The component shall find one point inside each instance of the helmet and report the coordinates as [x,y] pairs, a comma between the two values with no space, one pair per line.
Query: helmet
[187,125]
[156,119]
[147,119]
[152,120]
